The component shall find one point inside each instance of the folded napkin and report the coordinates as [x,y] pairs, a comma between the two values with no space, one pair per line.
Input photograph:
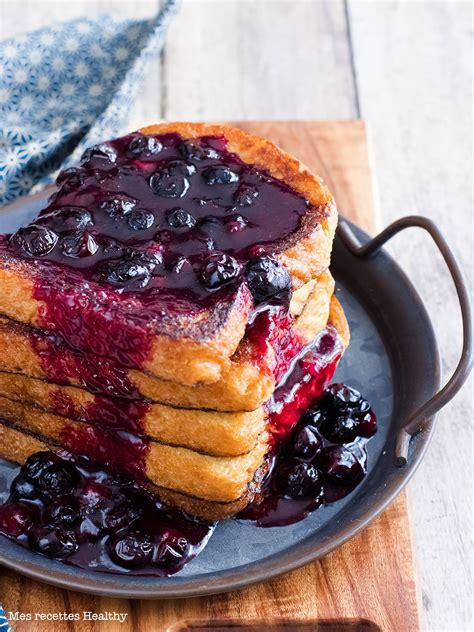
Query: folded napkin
[68,86]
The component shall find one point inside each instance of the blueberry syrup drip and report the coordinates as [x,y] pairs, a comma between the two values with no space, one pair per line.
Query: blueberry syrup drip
[270,335]
[150,228]
[114,438]
[63,507]
[119,452]
[110,413]
[64,365]
[307,375]
[322,460]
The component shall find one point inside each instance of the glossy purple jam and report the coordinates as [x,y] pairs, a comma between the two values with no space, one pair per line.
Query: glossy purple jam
[315,464]
[101,522]
[153,228]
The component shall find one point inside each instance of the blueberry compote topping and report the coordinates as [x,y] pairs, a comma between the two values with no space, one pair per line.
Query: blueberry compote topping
[149,228]
[322,459]
[63,507]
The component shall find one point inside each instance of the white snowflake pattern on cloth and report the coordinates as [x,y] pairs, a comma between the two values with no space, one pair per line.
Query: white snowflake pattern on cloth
[66,87]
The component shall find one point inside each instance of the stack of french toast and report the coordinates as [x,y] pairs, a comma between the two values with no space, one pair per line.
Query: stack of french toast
[170,313]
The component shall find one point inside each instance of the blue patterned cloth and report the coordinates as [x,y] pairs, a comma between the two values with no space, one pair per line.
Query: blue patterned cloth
[68,86]
[4,625]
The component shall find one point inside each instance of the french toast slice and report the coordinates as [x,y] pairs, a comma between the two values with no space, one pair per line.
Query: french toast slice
[244,386]
[204,485]
[118,268]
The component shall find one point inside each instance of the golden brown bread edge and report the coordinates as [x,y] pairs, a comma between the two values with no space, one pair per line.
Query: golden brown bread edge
[215,478]
[178,470]
[243,387]
[200,350]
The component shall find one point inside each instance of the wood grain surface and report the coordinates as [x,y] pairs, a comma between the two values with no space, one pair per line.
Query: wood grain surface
[372,576]
[405,68]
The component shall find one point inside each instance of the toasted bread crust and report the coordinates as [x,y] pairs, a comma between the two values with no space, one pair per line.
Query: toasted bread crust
[208,432]
[181,469]
[243,386]
[191,350]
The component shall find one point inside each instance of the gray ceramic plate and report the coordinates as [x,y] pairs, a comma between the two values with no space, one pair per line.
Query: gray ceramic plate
[392,358]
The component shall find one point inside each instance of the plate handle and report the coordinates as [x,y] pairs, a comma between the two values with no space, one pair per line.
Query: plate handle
[420,417]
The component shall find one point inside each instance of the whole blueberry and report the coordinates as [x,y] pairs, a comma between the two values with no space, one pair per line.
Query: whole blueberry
[15,519]
[180,218]
[245,195]
[34,240]
[341,396]
[144,146]
[120,515]
[131,550]
[313,417]
[130,274]
[341,428]
[52,541]
[70,179]
[367,421]
[219,269]
[172,549]
[57,479]
[63,512]
[103,153]
[299,480]
[304,442]
[78,244]
[140,219]
[22,488]
[118,205]
[219,175]
[195,151]
[341,466]
[38,463]
[66,218]
[181,167]
[169,185]
[268,280]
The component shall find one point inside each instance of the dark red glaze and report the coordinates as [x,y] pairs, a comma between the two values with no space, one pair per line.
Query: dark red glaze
[111,413]
[270,335]
[99,515]
[308,375]
[125,243]
[64,365]
[118,451]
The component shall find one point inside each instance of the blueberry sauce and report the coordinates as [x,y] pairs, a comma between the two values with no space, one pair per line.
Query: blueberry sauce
[97,521]
[64,507]
[150,229]
[322,460]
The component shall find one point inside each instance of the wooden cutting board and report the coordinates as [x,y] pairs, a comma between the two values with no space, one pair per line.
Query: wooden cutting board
[367,584]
